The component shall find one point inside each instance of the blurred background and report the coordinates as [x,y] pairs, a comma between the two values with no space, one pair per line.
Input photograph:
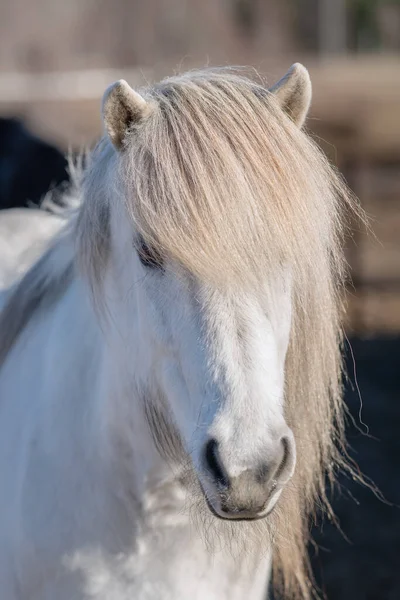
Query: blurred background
[56,59]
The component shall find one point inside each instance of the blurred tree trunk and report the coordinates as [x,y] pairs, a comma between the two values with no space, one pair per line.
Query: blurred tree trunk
[332,27]
[388,20]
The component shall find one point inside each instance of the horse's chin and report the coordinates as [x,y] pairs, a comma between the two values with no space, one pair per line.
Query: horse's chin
[237,519]
[234,519]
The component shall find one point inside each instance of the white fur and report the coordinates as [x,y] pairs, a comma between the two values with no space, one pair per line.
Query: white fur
[88,507]
[24,234]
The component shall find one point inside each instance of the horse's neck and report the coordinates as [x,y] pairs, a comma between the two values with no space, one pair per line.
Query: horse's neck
[88,379]
[128,439]
[119,497]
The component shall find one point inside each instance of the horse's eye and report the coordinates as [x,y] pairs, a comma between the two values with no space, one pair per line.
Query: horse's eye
[149,257]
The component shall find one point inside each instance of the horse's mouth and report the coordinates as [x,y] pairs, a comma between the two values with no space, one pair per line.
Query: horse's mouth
[236,517]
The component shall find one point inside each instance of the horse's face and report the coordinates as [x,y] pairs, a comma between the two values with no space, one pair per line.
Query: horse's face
[212,360]
[208,361]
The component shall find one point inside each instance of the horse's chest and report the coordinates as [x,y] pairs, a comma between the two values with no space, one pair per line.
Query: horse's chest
[114,555]
[168,565]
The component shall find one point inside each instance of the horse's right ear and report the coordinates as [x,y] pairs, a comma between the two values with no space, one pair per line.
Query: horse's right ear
[122,107]
[293,93]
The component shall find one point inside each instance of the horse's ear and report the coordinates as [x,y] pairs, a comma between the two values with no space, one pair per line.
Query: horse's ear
[293,92]
[122,107]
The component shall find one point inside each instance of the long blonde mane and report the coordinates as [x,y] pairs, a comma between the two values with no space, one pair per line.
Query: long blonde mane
[218,178]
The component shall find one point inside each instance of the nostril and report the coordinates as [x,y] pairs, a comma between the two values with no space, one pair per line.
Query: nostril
[279,470]
[262,473]
[213,464]
[286,466]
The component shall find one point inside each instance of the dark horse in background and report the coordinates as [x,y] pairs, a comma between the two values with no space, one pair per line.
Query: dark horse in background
[29,167]
[364,566]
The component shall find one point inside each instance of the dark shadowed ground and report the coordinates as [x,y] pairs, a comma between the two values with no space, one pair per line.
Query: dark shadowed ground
[367,567]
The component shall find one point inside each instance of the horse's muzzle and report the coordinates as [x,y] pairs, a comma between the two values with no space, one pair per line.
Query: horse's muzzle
[253,492]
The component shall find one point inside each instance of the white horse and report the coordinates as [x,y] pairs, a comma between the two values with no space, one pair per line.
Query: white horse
[24,234]
[171,353]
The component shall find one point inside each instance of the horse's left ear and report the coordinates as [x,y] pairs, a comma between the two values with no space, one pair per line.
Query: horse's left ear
[122,107]
[293,93]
